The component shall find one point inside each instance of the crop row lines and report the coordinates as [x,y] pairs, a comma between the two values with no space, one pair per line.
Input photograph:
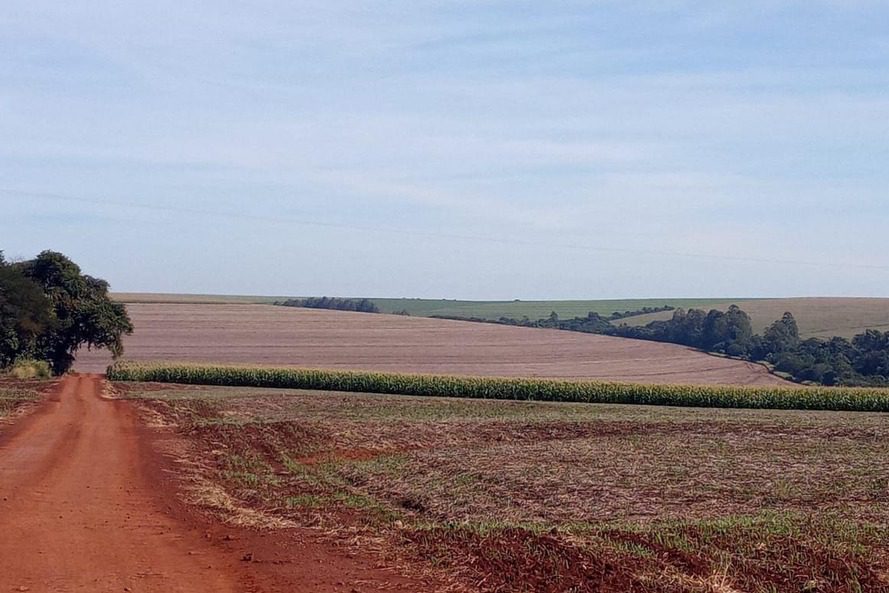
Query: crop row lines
[716,396]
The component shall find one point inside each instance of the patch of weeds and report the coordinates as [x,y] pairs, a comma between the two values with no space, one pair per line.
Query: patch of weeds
[633,549]
[322,475]
[387,465]
[306,501]
[248,471]
[374,509]
[484,528]
[12,398]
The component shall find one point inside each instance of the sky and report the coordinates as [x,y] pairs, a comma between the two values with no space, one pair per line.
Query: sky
[454,149]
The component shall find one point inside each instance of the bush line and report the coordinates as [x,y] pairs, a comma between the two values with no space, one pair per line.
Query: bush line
[787,398]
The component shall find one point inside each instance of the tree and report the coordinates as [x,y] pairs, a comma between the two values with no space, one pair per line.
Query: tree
[84,313]
[781,336]
[25,314]
[715,331]
[739,332]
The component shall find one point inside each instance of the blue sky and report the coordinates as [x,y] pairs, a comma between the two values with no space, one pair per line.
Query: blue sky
[455,149]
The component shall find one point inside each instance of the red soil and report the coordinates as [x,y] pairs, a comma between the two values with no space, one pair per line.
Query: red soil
[86,504]
[264,334]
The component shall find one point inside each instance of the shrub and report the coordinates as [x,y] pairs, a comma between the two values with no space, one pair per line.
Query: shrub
[31,369]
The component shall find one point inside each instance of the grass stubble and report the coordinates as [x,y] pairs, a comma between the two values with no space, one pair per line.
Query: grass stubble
[533,496]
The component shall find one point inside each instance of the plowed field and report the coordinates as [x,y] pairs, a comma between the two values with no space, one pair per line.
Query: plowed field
[265,334]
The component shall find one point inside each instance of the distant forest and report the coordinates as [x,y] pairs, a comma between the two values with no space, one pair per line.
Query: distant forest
[337,304]
[861,361]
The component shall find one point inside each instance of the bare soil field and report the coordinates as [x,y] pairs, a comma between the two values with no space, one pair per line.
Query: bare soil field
[527,496]
[265,334]
[816,317]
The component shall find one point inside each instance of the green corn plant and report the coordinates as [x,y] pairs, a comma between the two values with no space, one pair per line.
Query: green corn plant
[509,388]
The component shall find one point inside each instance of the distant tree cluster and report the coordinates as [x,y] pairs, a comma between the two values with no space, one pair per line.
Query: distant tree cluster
[593,323]
[862,361]
[728,332]
[337,304]
[49,309]
[643,311]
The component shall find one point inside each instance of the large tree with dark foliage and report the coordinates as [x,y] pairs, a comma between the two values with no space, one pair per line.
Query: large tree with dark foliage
[64,310]
[863,361]
[25,314]
[335,303]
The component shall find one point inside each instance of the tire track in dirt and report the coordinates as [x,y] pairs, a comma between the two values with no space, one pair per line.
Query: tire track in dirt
[75,516]
[86,505]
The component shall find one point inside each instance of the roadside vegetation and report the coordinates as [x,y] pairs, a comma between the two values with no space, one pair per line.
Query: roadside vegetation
[49,309]
[16,392]
[503,388]
[530,496]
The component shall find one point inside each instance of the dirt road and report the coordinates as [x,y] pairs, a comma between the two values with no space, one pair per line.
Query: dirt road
[80,510]
[75,517]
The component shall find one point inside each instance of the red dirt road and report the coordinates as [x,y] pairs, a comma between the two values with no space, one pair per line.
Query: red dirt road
[75,517]
[84,506]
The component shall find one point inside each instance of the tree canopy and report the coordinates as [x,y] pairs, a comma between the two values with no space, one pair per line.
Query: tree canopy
[49,309]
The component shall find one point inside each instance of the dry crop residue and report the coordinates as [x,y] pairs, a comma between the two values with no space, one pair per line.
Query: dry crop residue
[521,496]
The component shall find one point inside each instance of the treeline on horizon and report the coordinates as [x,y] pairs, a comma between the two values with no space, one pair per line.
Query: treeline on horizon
[49,309]
[334,303]
[861,361]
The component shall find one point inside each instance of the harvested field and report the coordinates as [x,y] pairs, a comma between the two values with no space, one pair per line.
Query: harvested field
[816,317]
[521,496]
[264,334]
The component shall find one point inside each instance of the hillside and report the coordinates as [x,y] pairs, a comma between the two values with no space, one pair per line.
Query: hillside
[816,317]
[331,339]
[493,310]
[532,309]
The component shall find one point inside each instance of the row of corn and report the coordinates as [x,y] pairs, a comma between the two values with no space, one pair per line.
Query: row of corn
[715,396]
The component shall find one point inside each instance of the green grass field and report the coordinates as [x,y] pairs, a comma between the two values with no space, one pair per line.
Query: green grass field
[531,309]
[446,307]
[817,317]
[194,299]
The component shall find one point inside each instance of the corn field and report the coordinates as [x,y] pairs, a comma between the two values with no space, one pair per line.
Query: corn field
[716,396]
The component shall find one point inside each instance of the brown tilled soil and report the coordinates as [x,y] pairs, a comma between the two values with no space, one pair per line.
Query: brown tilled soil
[265,334]
[87,504]
[513,497]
